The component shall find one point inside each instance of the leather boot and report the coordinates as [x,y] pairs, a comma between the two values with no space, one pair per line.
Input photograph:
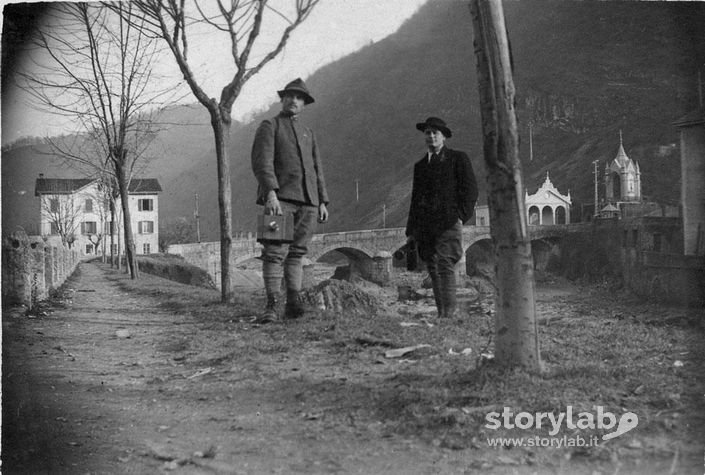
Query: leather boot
[293,276]
[448,296]
[270,313]
[436,285]
[294,306]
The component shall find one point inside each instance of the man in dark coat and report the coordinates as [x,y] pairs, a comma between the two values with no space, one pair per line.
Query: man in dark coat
[443,198]
[287,164]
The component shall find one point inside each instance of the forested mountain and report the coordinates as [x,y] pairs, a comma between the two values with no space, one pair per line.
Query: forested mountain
[583,71]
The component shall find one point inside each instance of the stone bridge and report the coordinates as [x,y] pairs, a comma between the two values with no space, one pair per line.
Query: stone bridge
[369,252]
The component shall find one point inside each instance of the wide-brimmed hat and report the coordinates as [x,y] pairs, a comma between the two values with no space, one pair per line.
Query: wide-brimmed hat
[297,85]
[435,123]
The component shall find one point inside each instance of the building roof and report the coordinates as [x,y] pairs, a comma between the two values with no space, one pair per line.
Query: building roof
[60,186]
[148,186]
[547,194]
[64,186]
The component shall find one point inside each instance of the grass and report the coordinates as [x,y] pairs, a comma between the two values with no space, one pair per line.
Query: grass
[601,348]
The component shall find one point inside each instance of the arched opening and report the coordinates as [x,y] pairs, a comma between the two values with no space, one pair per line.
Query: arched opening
[479,259]
[333,264]
[561,215]
[616,181]
[547,215]
[534,215]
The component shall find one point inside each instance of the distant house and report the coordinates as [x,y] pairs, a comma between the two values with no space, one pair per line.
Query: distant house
[76,212]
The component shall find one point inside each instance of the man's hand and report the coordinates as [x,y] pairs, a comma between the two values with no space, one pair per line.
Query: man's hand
[272,205]
[322,213]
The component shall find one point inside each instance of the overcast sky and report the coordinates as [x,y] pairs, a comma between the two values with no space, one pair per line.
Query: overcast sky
[334,29]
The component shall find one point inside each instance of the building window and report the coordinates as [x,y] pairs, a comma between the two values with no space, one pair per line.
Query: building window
[145,248]
[145,227]
[89,227]
[54,205]
[145,204]
[54,229]
[89,206]
[89,248]
[482,220]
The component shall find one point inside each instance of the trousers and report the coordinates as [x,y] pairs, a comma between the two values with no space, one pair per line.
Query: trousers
[441,253]
[286,260]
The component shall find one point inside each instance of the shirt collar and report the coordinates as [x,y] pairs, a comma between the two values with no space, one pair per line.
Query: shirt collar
[439,153]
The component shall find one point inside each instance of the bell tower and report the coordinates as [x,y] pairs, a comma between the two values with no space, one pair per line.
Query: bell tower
[622,177]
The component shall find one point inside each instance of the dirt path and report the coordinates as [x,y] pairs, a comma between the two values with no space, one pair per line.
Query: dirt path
[152,376]
[79,398]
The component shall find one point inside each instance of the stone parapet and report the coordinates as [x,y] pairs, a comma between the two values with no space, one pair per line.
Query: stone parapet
[32,269]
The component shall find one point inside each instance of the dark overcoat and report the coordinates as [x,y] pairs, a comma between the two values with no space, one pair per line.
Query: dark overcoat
[442,193]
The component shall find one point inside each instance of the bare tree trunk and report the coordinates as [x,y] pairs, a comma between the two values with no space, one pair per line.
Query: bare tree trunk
[130,256]
[112,231]
[221,132]
[516,328]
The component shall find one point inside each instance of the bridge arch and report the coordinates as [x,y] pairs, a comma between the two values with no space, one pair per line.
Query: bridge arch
[479,257]
[374,266]
[242,258]
[470,240]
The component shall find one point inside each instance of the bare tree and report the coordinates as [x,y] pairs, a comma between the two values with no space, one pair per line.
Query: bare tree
[92,65]
[515,321]
[62,214]
[176,231]
[241,22]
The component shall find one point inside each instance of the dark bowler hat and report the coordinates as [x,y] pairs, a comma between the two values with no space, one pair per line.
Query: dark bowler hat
[434,123]
[297,85]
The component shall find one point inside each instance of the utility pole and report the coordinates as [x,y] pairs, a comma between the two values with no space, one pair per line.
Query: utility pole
[198,222]
[357,189]
[384,215]
[531,142]
[595,163]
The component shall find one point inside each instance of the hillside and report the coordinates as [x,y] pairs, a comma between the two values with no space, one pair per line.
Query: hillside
[583,71]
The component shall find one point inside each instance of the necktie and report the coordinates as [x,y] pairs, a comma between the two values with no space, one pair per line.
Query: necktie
[434,158]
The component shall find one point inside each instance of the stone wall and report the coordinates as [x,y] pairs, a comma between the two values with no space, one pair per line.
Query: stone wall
[645,254]
[31,269]
[671,278]
[176,269]
[594,254]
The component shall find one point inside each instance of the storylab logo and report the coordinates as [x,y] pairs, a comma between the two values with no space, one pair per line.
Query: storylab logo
[598,419]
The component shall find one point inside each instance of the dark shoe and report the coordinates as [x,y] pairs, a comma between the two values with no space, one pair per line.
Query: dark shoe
[294,306]
[270,314]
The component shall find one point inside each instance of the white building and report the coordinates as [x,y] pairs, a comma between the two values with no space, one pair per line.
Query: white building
[77,212]
[546,206]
